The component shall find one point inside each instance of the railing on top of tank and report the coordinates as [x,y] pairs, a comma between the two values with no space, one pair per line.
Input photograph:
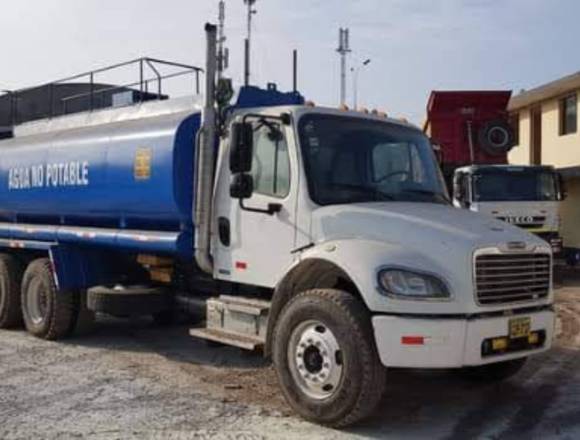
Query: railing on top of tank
[56,105]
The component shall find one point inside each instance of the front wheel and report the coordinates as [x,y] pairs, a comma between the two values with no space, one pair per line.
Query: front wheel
[325,358]
[495,372]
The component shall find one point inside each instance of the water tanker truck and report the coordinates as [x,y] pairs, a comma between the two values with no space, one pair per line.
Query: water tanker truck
[473,136]
[322,237]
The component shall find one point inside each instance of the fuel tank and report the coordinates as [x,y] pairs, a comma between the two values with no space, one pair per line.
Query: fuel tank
[133,174]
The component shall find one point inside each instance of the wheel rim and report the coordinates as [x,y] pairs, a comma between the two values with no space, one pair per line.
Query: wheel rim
[315,360]
[36,301]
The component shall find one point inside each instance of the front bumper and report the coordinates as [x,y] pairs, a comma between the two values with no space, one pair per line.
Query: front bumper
[441,342]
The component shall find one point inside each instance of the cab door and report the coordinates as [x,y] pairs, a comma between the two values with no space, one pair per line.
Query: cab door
[254,247]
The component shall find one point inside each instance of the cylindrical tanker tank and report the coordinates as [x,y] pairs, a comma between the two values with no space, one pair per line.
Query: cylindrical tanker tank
[135,174]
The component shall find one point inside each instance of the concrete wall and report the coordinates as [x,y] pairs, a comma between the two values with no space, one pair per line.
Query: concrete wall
[520,154]
[560,151]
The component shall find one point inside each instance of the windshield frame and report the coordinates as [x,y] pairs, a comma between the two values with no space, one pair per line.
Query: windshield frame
[440,196]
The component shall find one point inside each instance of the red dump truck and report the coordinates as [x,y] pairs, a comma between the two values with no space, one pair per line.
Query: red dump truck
[472,135]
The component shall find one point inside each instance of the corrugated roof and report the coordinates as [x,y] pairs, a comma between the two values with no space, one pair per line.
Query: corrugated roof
[550,90]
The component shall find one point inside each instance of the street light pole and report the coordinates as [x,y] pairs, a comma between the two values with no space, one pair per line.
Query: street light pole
[251,11]
[355,71]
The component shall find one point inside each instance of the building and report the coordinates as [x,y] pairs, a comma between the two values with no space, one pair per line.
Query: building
[547,134]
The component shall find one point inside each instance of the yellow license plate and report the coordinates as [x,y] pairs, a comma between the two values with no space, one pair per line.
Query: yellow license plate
[519,327]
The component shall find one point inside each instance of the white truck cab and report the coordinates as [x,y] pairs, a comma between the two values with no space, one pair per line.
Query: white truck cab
[525,196]
[345,219]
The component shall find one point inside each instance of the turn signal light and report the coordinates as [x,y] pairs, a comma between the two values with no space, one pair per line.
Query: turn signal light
[499,344]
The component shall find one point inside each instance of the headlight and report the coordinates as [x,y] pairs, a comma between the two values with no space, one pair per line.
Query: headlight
[412,285]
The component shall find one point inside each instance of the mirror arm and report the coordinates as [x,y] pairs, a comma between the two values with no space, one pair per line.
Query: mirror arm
[273,208]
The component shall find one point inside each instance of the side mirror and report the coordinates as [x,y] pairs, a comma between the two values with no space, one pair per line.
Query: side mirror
[241,147]
[242,186]
[563,193]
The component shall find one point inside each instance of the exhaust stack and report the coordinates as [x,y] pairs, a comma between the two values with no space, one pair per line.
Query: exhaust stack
[206,158]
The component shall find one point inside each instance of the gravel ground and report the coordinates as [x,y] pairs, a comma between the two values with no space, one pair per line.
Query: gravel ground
[129,380]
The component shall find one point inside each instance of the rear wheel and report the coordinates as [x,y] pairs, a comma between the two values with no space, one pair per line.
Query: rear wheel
[10,278]
[48,313]
[325,358]
[495,372]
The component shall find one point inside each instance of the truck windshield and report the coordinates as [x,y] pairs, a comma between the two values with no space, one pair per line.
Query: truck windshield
[354,160]
[515,186]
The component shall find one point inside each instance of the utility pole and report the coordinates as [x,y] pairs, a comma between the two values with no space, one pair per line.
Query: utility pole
[223,53]
[251,11]
[343,50]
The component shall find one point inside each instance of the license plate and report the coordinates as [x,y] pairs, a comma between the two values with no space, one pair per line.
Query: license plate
[519,327]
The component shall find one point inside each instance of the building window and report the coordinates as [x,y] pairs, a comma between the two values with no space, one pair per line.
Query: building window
[568,115]
[514,120]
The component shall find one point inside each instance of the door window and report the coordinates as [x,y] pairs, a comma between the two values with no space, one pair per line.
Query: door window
[271,162]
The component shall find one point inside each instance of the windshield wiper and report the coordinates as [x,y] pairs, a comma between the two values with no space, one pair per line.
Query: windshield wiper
[428,192]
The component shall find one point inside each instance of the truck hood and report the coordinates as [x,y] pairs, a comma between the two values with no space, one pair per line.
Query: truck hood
[426,227]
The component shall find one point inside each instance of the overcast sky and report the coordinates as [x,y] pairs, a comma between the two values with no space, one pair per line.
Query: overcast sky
[415,45]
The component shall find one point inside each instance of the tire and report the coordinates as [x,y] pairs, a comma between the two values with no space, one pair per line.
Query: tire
[129,301]
[352,381]
[497,372]
[496,137]
[48,313]
[10,279]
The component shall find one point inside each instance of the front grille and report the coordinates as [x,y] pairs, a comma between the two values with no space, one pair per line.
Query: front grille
[525,222]
[508,278]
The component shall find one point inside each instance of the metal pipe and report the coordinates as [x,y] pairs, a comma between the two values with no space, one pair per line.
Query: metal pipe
[246,62]
[470,140]
[206,158]
[295,70]
[191,305]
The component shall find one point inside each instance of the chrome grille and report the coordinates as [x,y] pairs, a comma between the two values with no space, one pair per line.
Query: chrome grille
[507,278]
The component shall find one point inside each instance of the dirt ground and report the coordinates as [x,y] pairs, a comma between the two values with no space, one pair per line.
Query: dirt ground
[130,380]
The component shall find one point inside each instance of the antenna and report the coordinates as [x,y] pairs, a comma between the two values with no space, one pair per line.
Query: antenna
[251,11]
[343,50]
[222,52]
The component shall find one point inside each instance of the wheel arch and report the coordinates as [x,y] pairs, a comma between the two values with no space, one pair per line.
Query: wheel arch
[310,273]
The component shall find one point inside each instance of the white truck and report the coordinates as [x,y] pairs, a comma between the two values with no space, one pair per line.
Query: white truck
[525,196]
[323,237]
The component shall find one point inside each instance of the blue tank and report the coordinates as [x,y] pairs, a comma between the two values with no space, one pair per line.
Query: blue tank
[134,174]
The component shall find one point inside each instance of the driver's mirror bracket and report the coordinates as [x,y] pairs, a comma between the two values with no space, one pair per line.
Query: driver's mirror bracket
[241,147]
